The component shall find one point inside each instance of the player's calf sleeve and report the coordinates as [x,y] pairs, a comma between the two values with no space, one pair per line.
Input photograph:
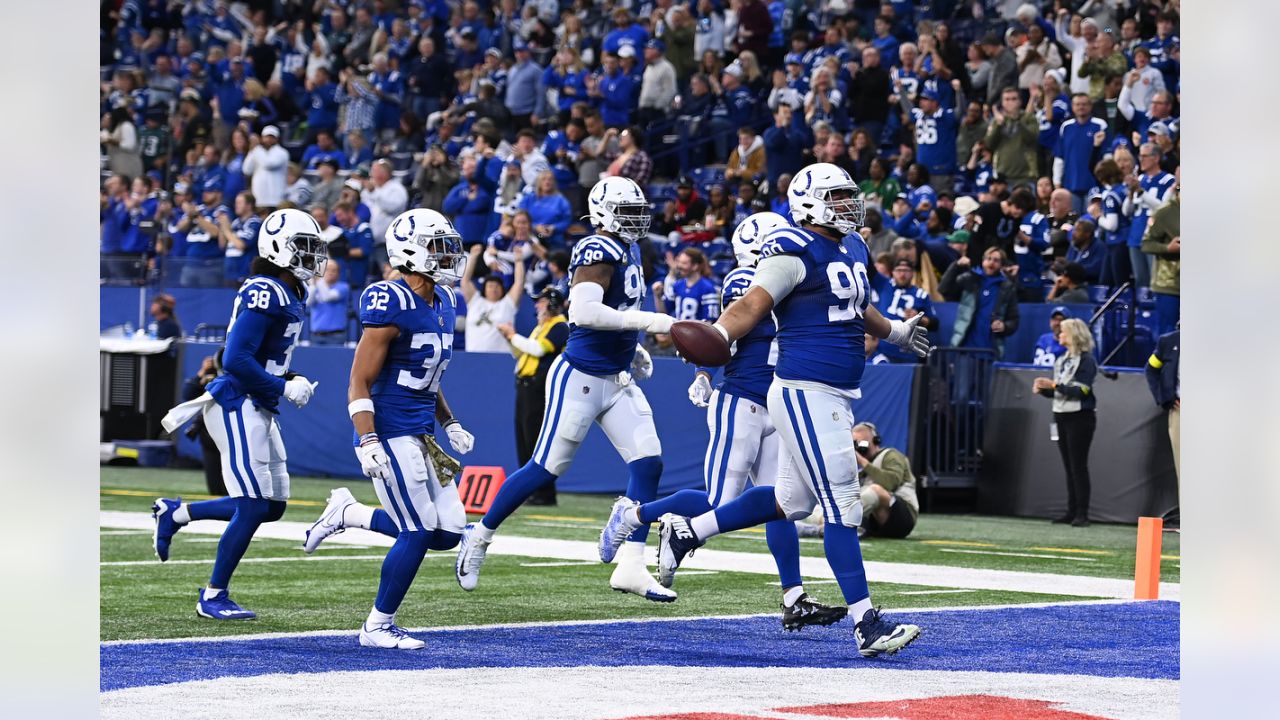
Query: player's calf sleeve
[689,503]
[522,483]
[444,540]
[380,522]
[642,486]
[275,510]
[250,513]
[219,509]
[784,545]
[399,568]
[844,555]
[753,507]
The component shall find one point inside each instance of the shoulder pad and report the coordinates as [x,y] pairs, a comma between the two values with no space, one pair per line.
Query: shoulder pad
[597,249]
[784,241]
[383,301]
[447,296]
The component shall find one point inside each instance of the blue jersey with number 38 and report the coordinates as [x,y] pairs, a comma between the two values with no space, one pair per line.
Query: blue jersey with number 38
[404,395]
[820,323]
[607,352]
[272,314]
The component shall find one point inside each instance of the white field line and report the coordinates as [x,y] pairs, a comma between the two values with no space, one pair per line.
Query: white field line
[568,623]
[300,558]
[932,592]
[941,576]
[1018,554]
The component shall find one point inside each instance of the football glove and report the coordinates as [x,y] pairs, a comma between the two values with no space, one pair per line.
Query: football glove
[459,439]
[374,462]
[910,336]
[700,390]
[641,364]
[299,390]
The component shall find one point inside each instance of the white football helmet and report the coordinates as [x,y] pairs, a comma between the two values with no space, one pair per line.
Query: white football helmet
[617,205]
[749,236]
[424,241]
[825,195]
[291,239]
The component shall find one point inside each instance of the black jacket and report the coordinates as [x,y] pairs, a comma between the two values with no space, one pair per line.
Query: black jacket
[1162,370]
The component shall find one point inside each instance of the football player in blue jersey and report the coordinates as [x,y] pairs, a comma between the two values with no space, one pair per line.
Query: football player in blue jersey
[814,280]
[593,382]
[395,404]
[744,441]
[241,404]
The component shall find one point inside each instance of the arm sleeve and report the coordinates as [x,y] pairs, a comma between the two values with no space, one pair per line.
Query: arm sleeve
[239,361]
[1125,102]
[528,346]
[779,275]
[1058,168]
[587,308]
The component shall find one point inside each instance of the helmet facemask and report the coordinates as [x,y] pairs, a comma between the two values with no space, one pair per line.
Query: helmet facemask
[630,220]
[441,257]
[308,255]
[846,211]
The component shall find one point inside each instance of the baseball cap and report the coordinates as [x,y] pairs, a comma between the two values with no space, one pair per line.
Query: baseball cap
[684,181]
[929,95]
[353,184]
[1075,273]
[519,45]
[237,60]
[656,44]
[1060,310]
[794,59]
[1058,74]
[959,237]
[626,51]
[468,33]
[733,69]
[271,131]
[1158,128]
[213,183]
[964,205]
[189,94]
[494,52]
[903,262]
[180,188]
[902,197]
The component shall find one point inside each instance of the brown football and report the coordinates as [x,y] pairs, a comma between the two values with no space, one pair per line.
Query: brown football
[699,343]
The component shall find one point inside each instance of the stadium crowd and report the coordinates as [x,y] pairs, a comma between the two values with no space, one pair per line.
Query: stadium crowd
[1008,152]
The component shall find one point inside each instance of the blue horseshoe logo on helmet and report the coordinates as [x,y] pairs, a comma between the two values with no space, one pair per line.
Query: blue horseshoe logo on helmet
[808,181]
[278,229]
[404,238]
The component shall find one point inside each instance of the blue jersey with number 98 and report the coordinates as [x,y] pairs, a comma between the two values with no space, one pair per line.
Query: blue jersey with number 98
[607,352]
[404,395]
[820,323]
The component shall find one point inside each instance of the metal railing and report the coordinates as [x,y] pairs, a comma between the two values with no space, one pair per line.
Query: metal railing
[959,385]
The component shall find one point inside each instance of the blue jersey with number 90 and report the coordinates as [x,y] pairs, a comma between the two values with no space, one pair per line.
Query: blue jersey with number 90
[607,352]
[404,395]
[820,323]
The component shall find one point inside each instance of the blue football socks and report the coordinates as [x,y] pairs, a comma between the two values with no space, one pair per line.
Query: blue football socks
[642,486]
[844,555]
[399,568]
[522,483]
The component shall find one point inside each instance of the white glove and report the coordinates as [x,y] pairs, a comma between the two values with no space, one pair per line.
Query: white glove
[700,390]
[373,459]
[641,364]
[461,440]
[910,336]
[299,390]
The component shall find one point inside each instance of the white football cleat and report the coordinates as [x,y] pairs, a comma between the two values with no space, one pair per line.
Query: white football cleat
[388,637]
[633,577]
[471,552]
[616,529]
[330,522]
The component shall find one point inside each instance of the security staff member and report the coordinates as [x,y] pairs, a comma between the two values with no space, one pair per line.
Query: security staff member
[534,355]
[889,505]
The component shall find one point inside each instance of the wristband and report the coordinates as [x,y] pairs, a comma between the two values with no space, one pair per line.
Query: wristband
[720,329]
[451,421]
[369,439]
[359,405]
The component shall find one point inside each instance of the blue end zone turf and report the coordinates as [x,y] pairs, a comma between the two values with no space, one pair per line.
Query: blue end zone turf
[1122,640]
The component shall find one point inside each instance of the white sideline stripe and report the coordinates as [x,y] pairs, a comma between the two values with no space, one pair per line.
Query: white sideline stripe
[575,623]
[1018,554]
[124,532]
[567,563]
[725,560]
[932,592]
[302,558]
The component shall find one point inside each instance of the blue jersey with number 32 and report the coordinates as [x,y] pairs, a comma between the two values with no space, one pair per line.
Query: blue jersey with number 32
[404,395]
[607,352]
[283,312]
[820,323]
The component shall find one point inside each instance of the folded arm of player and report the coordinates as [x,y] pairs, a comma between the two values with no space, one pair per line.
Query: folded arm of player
[587,308]
[371,352]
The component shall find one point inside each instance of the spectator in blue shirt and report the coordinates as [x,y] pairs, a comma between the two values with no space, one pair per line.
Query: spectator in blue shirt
[470,204]
[903,300]
[240,238]
[1146,192]
[1029,246]
[936,128]
[548,210]
[141,204]
[1048,349]
[229,92]
[322,103]
[324,149]
[614,91]
[113,215]
[732,109]
[1079,143]
[884,41]
[627,33]
[430,79]
[328,301]
[1165,48]
[1106,208]
[388,86]
[1087,250]
[784,144]
[522,86]
[988,309]
[355,246]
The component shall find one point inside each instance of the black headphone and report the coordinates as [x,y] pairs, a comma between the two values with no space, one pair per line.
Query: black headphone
[875,434]
[555,299]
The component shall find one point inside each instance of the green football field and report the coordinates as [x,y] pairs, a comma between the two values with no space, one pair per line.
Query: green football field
[333,590]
